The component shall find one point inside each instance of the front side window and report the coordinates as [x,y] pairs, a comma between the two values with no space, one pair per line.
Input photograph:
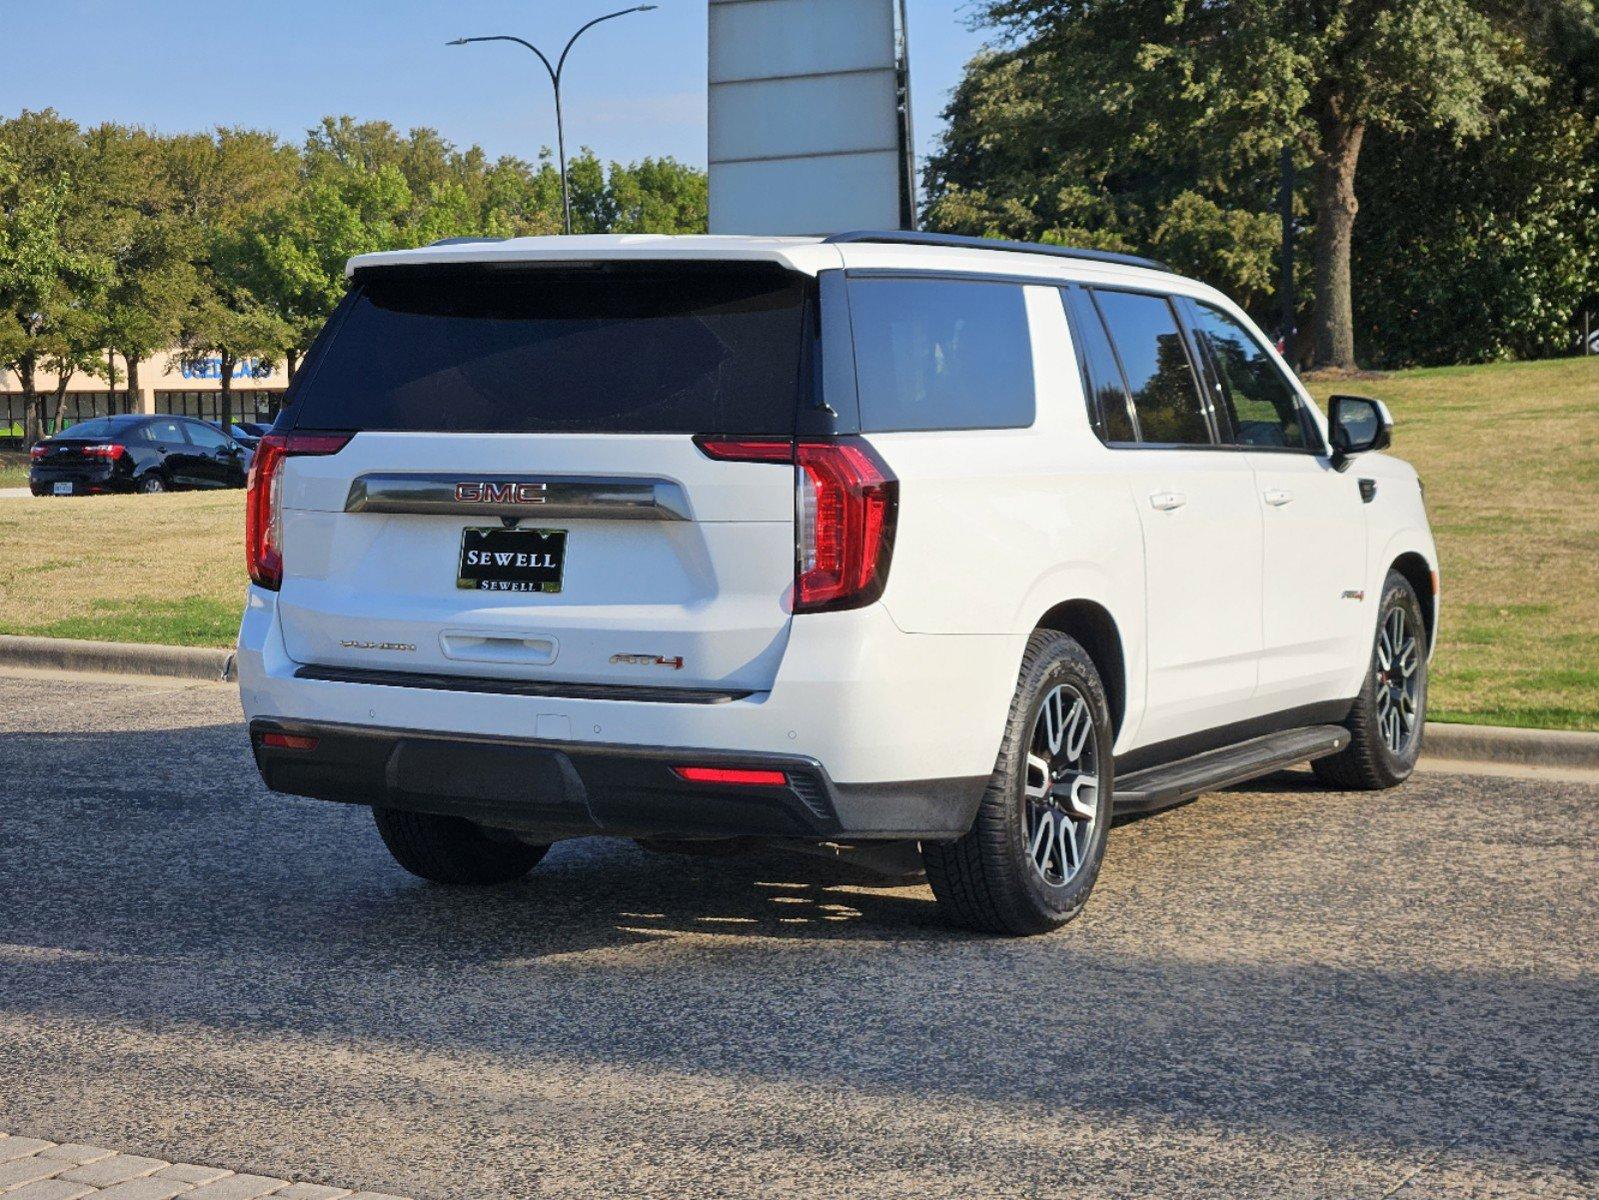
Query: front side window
[205,437]
[1160,378]
[941,354]
[1265,407]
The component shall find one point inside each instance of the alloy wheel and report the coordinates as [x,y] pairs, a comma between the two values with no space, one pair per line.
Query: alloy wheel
[1398,681]
[1061,791]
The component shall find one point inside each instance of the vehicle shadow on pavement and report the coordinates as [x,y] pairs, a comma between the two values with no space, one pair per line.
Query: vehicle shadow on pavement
[149,880]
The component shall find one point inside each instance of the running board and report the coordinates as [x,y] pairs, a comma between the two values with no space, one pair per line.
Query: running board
[1155,788]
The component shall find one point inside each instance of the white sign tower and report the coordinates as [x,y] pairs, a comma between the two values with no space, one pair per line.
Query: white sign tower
[810,129]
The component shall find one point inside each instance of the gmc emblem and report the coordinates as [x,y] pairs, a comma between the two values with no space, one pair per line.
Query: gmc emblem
[500,493]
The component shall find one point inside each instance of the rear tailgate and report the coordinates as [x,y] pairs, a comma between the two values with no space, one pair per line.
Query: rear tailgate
[690,589]
[523,498]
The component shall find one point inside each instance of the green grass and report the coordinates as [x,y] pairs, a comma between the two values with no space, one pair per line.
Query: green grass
[1510,456]
[190,621]
[13,468]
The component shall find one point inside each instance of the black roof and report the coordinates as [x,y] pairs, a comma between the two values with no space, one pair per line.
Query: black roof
[912,237]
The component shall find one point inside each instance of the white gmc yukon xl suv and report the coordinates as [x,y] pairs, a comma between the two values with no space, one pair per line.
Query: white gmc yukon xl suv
[883,541]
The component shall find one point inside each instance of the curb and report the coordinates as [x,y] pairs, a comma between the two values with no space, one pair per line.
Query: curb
[1511,747]
[117,658]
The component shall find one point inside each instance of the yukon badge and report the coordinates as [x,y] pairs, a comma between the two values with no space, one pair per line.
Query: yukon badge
[649,660]
[499,493]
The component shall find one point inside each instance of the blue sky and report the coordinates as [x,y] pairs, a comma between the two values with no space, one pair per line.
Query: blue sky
[634,86]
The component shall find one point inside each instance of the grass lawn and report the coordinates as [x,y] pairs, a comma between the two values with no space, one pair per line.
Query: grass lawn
[1510,456]
[13,468]
[166,568]
[1509,453]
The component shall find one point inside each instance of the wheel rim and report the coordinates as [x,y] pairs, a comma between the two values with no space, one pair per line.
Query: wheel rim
[1061,791]
[1398,681]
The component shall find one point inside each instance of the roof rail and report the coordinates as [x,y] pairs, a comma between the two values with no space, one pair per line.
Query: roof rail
[463,241]
[908,237]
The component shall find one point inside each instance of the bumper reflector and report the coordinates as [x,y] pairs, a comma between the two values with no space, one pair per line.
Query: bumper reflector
[288,741]
[732,775]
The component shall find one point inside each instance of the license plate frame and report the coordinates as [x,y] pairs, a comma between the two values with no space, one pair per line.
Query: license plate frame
[543,575]
[61,489]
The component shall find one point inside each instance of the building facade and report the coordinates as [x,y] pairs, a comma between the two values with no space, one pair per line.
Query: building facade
[168,383]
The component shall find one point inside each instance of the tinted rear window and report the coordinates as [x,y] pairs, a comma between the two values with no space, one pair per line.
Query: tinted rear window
[941,354]
[99,427]
[678,350]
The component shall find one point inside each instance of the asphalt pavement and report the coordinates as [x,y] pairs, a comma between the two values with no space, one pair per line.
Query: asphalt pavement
[1279,991]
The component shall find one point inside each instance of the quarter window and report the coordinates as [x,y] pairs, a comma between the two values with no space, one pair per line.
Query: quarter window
[1265,407]
[1160,378]
[941,354]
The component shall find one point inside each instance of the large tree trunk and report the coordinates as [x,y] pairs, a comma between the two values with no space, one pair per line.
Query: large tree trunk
[227,393]
[293,357]
[58,400]
[133,381]
[31,417]
[1333,321]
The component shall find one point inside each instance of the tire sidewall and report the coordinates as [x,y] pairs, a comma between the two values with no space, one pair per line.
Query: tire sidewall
[1067,664]
[152,484]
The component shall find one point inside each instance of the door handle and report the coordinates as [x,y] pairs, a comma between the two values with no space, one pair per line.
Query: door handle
[1277,497]
[1167,501]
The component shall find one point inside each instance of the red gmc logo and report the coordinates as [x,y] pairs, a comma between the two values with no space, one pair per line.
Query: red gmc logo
[500,493]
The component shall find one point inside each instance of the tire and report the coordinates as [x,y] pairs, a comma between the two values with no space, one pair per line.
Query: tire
[990,880]
[1375,758]
[152,484]
[452,849]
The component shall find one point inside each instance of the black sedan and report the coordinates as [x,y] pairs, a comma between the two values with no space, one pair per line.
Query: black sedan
[136,453]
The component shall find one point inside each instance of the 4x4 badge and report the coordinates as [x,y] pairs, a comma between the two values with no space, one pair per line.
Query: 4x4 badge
[649,660]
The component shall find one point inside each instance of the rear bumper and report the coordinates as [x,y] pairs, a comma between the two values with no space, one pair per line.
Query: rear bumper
[896,733]
[561,790]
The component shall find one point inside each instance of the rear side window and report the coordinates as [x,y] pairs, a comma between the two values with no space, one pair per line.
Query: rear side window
[682,349]
[1265,406]
[1160,378]
[1102,375]
[941,354]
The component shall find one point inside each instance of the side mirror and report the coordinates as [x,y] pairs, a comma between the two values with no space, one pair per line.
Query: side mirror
[1357,425]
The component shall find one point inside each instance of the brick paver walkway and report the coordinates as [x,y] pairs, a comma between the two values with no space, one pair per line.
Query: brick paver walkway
[34,1169]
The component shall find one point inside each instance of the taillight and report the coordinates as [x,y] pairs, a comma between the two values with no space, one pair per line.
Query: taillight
[109,450]
[39,451]
[736,776]
[263,505]
[846,504]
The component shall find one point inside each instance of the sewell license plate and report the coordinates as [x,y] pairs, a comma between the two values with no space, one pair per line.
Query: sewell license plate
[495,559]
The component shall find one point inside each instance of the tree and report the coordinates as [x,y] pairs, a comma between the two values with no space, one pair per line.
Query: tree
[224,184]
[53,275]
[1233,80]
[150,245]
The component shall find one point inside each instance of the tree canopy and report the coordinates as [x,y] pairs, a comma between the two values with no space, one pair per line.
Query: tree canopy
[231,244]
[1159,124]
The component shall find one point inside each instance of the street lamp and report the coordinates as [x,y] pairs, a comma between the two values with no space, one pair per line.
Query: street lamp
[555,81]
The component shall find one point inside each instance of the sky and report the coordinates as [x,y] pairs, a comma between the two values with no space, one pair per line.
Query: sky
[633,87]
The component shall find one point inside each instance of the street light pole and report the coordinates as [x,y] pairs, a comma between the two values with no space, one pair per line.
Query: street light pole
[555,83]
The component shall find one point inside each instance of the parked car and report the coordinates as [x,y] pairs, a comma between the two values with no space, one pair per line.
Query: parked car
[893,542]
[247,434]
[136,453]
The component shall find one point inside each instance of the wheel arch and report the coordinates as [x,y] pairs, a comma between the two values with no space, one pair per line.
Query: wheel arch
[1092,625]
[1418,572]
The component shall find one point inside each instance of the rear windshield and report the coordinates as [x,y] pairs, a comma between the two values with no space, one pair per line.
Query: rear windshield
[682,349]
[99,427]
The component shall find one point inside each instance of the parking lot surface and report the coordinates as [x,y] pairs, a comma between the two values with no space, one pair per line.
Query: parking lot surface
[1274,992]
